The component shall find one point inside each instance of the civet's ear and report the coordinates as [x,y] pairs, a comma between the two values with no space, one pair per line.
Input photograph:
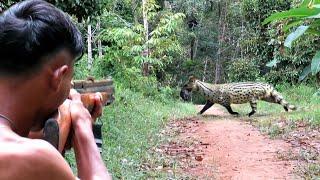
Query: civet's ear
[192,79]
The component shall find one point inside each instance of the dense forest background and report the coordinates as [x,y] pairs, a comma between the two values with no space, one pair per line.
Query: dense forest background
[162,42]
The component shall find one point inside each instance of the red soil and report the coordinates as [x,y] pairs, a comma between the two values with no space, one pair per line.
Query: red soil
[236,150]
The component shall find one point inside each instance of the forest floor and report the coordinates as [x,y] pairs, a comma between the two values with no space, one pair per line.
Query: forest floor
[217,145]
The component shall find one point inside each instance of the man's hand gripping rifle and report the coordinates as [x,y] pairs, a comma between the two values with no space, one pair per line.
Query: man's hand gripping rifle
[57,129]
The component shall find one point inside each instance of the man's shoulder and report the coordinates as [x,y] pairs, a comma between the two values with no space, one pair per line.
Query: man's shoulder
[26,148]
[39,148]
[35,159]
[41,153]
[29,149]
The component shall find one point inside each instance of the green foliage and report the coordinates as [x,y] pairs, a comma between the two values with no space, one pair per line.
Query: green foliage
[256,11]
[294,60]
[307,13]
[264,44]
[315,63]
[311,171]
[163,42]
[243,70]
[79,8]
[193,8]
[126,45]
[295,35]
[300,13]
[198,37]
[277,76]
[308,103]
[305,72]
[274,131]
[99,70]
[191,67]
[5,4]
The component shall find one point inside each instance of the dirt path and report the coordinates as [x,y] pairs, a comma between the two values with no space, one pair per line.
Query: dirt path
[233,149]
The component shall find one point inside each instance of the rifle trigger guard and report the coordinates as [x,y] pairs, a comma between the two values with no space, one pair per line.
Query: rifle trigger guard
[51,132]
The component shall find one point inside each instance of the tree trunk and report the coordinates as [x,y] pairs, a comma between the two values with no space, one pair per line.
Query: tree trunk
[193,48]
[205,69]
[99,41]
[90,59]
[218,63]
[145,65]
[211,5]
[217,77]
[134,10]
[221,37]
[242,36]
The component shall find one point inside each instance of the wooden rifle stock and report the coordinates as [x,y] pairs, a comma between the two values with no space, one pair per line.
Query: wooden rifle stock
[57,129]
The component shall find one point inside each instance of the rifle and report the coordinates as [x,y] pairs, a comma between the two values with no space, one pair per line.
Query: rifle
[57,129]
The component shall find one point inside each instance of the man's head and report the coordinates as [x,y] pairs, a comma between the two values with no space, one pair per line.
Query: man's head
[186,90]
[38,47]
[30,33]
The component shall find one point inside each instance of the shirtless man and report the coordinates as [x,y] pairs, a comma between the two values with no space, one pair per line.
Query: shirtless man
[38,48]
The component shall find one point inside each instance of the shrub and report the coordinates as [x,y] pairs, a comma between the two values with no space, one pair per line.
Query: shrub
[242,70]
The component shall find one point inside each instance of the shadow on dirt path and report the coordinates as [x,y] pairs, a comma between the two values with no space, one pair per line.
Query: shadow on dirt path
[235,150]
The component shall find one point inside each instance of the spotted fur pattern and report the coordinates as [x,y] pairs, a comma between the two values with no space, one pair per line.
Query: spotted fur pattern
[234,93]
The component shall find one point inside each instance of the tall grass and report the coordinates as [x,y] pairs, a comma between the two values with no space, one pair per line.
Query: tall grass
[130,129]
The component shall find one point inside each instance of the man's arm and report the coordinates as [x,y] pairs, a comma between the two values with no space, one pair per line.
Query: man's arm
[89,162]
[90,165]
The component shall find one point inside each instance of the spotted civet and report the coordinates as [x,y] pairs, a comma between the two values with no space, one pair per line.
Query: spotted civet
[234,93]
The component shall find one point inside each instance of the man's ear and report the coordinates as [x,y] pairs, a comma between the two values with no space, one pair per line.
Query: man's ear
[57,77]
[192,79]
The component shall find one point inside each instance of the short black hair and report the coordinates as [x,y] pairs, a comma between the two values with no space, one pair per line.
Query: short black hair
[32,30]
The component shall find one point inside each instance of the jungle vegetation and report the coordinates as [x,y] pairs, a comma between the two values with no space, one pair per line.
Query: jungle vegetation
[151,47]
